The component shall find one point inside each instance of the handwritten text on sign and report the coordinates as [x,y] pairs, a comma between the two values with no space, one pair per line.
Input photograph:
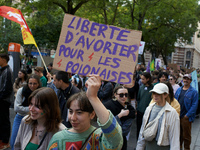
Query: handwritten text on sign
[87,47]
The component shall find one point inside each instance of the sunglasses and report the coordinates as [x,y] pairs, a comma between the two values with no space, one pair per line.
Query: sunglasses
[123,94]
[170,79]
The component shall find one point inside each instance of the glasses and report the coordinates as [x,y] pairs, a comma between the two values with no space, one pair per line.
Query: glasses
[170,79]
[123,94]
[32,83]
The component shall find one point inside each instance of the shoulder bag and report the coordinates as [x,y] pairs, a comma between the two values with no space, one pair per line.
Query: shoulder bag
[150,130]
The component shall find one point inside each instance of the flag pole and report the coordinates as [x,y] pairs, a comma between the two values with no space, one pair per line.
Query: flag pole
[42,59]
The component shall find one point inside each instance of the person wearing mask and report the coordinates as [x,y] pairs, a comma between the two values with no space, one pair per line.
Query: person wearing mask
[167,133]
[187,96]
[42,122]
[122,110]
[20,81]
[82,109]
[21,104]
[143,98]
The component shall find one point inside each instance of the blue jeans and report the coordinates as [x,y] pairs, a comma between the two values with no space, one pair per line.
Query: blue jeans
[15,129]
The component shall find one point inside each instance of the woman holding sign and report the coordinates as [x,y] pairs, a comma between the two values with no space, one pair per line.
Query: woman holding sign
[82,109]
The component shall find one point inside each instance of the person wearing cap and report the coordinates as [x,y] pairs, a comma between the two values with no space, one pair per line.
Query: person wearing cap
[39,72]
[188,99]
[168,132]
[172,101]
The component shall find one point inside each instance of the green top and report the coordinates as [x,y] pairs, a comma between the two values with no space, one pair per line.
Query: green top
[144,98]
[109,136]
[43,81]
[31,146]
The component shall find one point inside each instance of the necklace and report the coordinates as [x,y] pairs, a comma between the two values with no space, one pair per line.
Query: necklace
[36,131]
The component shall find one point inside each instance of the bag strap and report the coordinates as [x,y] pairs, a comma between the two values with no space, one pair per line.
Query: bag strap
[87,140]
[42,140]
[159,114]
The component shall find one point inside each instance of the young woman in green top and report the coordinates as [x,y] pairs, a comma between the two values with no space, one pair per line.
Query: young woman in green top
[82,109]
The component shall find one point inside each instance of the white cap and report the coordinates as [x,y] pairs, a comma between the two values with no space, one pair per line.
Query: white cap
[160,88]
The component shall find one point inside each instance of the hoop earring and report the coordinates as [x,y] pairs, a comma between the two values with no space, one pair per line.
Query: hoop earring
[114,99]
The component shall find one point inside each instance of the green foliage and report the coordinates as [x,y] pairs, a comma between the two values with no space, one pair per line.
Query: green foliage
[9,32]
[162,22]
[46,27]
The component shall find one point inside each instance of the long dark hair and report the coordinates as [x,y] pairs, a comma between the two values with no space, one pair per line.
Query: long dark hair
[19,79]
[48,101]
[171,91]
[147,75]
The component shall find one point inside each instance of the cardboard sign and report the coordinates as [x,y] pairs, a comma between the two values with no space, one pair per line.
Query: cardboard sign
[86,47]
[174,66]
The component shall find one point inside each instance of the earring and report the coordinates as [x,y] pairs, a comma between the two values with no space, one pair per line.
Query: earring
[114,98]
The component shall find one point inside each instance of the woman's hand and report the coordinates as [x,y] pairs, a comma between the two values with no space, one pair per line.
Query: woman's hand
[123,113]
[93,84]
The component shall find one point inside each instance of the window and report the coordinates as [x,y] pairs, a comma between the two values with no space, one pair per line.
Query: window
[187,64]
[188,55]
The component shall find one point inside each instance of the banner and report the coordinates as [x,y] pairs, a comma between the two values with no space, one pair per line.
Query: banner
[158,63]
[16,16]
[194,82]
[141,48]
[87,47]
[152,68]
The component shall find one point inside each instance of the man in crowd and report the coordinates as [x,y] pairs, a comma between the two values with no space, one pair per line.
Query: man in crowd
[188,99]
[65,90]
[6,88]
[162,77]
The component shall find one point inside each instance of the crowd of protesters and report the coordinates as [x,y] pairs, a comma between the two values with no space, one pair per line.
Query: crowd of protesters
[54,109]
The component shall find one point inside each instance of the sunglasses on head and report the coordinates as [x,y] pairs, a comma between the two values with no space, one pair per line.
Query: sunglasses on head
[123,94]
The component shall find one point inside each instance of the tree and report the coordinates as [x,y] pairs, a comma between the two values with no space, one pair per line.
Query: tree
[9,31]
[101,11]
[163,22]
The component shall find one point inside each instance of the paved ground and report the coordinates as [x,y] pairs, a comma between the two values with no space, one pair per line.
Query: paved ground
[195,145]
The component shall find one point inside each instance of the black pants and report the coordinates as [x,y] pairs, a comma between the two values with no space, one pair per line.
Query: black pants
[4,121]
[139,122]
[124,147]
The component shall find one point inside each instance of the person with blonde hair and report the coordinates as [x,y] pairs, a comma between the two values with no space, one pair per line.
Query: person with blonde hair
[167,132]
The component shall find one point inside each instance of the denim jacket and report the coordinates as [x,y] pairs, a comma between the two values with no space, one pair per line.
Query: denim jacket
[190,101]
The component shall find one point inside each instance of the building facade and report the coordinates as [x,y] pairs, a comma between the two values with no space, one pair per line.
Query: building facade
[184,55]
